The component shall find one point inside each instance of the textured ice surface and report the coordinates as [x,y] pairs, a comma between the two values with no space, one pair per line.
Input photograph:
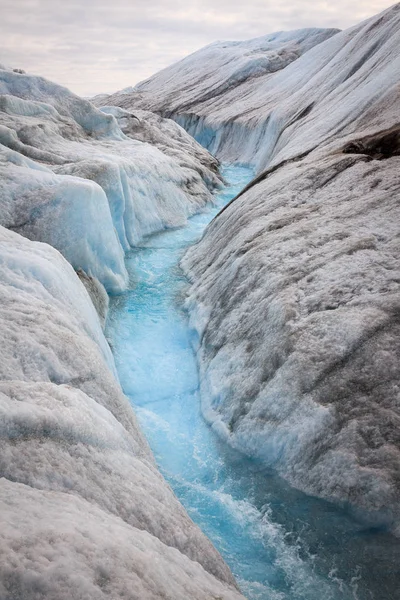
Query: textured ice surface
[222,66]
[84,511]
[297,287]
[336,83]
[219,93]
[295,291]
[295,297]
[280,543]
[71,214]
[72,178]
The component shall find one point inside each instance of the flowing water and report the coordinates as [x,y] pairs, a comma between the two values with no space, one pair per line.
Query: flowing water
[279,543]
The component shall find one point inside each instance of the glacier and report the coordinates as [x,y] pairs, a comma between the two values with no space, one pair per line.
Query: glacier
[85,513]
[84,510]
[335,82]
[218,93]
[295,284]
[279,542]
[293,304]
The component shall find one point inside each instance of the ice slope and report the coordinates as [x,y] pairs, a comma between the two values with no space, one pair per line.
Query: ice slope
[84,511]
[295,286]
[332,82]
[219,68]
[215,90]
[72,178]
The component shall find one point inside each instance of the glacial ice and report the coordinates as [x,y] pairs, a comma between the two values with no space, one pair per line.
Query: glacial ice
[295,285]
[166,135]
[338,81]
[70,214]
[70,177]
[266,530]
[219,93]
[294,296]
[300,292]
[84,511]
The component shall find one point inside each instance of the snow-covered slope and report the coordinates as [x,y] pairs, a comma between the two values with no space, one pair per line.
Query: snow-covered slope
[70,177]
[296,284]
[84,511]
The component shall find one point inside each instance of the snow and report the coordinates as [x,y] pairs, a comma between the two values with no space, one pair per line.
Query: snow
[84,511]
[70,177]
[295,285]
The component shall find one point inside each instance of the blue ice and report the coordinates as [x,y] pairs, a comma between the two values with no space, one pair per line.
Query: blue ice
[279,543]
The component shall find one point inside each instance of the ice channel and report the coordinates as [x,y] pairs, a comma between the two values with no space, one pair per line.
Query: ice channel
[279,543]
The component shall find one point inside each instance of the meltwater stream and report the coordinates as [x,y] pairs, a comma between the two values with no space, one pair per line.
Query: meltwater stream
[279,543]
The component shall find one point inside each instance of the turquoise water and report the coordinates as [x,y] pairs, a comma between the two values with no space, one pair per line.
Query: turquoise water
[279,543]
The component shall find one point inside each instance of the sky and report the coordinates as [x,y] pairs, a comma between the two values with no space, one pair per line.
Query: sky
[101,46]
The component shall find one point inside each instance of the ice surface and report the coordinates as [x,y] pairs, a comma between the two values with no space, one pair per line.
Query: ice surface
[70,177]
[68,547]
[165,134]
[211,72]
[84,511]
[71,214]
[220,93]
[296,284]
[299,292]
[334,84]
[294,298]
[266,530]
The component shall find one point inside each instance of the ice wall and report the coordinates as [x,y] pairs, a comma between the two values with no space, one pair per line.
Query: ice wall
[70,177]
[295,286]
[84,511]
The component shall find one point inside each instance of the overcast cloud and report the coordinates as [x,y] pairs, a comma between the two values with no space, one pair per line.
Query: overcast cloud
[95,46]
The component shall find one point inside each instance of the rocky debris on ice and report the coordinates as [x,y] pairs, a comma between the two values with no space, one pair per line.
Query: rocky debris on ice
[70,177]
[84,510]
[97,293]
[295,285]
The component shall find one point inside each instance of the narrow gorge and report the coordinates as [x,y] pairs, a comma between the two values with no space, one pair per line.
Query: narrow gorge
[199,282]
